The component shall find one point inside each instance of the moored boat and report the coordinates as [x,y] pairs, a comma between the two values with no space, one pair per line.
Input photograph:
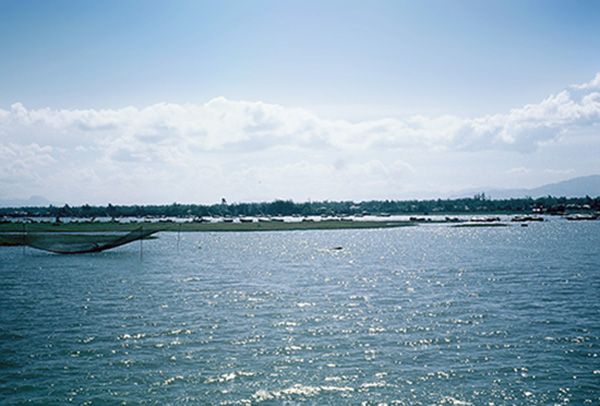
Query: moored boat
[582,216]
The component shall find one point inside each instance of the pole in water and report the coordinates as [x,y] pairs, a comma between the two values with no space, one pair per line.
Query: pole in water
[24,235]
[141,244]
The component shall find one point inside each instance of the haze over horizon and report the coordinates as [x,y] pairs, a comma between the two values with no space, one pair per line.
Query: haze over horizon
[158,102]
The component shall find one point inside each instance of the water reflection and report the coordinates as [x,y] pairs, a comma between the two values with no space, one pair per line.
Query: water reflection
[414,316]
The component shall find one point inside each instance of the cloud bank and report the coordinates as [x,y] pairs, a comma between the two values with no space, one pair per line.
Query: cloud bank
[255,150]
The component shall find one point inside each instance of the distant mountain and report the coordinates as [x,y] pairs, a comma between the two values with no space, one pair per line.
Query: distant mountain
[576,187]
[33,201]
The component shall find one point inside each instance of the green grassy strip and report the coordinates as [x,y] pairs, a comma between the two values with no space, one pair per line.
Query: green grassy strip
[284,226]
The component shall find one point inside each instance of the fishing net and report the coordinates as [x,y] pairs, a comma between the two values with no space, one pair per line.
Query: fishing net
[69,243]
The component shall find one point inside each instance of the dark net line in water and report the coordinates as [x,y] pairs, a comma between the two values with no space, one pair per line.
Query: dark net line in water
[82,243]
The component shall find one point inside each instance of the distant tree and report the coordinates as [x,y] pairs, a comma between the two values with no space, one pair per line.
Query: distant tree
[111,211]
[282,207]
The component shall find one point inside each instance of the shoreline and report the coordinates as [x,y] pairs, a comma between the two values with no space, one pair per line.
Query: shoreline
[11,234]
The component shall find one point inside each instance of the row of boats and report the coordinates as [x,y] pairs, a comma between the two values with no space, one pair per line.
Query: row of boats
[418,219]
[528,218]
[522,218]
[516,219]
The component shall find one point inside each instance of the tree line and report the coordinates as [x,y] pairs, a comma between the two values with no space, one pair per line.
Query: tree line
[477,204]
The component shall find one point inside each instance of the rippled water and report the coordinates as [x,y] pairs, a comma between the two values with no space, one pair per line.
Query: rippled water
[429,315]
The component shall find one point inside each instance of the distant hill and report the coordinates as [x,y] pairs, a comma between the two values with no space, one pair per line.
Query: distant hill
[33,201]
[576,187]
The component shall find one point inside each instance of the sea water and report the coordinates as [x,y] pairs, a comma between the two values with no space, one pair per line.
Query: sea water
[427,315]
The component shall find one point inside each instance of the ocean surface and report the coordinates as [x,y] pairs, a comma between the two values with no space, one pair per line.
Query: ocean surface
[427,315]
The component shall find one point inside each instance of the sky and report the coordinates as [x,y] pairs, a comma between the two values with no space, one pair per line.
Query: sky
[156,102]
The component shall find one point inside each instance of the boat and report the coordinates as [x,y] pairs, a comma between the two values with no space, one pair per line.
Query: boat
[582,216]
[485,219]
[522,218]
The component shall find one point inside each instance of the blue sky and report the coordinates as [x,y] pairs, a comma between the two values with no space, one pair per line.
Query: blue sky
[258,100]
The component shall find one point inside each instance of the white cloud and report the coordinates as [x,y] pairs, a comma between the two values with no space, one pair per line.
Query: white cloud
[559,171]
[24,158]
[241,126]
[265,149]
[519,170]
[527,128]
[592,84]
